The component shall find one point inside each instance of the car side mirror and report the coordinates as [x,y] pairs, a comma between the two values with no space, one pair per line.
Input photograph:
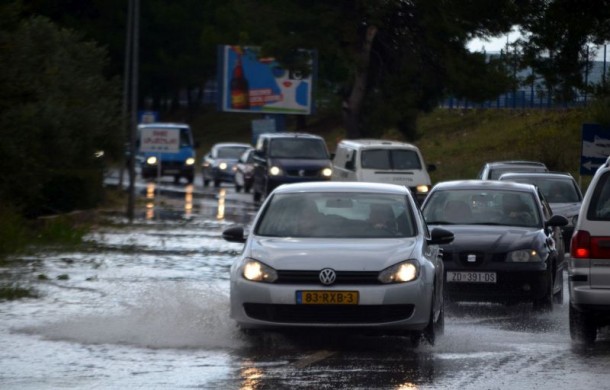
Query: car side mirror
[234,234]
[431,167]
[440,236]
[557,220]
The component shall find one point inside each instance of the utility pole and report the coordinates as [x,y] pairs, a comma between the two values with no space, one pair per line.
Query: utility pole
[135,19]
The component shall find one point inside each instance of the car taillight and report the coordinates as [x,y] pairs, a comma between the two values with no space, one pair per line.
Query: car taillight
[580,246]
[583,246]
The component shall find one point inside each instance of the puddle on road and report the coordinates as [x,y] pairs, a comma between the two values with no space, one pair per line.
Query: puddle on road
[165,315]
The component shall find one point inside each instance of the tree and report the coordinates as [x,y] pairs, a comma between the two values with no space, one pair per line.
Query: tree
[57,109]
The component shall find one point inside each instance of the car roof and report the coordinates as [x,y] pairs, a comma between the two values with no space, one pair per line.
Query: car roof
[290,135]
[352,186]
[484,185]
[366,142]
[162,125]
[562,175]
[231,145]
[515,162]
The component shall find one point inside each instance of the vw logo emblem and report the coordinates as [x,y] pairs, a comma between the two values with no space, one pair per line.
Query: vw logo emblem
[328,276]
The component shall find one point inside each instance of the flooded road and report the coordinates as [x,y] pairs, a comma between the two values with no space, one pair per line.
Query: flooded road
[146,306]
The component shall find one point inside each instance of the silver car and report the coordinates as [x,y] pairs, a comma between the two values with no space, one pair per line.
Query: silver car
[339,255]
[588,268]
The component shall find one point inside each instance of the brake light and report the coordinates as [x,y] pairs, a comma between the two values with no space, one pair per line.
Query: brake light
[580,246]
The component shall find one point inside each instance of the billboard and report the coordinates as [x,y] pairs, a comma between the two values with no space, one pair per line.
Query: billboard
[254,84]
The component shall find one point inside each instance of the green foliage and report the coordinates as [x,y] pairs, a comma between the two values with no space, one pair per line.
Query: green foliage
[13,231]
[14,291]
[599,111]
[56,108]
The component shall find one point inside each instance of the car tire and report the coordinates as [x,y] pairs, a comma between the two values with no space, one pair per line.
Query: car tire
[237,188]
[545,302]
[434,328]
[206,182]
[247,188]
[582,327]
[256,196]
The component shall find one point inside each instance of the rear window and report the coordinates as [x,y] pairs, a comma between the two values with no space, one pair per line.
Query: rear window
[494,174]
[599,208]
[394,159]
[231,151]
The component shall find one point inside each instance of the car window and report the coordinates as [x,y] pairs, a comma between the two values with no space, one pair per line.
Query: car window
[555,190]
[490,207]
[599,207]
[304,148]
[390,159]
[337,215]
[495,173]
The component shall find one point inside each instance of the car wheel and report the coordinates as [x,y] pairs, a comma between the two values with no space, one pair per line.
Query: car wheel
[256,196]
[206,182]
[558,296]
[432,329]
[247,188]
[237,188]
[545,302]
[582,327]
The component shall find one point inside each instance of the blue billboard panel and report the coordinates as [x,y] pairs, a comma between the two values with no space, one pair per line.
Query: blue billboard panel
[595,147]
[255,84]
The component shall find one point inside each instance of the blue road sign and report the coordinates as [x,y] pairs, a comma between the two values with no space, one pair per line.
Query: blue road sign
[595,147]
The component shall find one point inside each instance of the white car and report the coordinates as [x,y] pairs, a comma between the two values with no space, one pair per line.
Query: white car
[339,255]
[589,275]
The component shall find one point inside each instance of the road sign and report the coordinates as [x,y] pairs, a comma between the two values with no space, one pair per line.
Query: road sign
[160,140]
[595,147]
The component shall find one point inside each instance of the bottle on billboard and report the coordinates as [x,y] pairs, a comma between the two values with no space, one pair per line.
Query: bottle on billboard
[240,89]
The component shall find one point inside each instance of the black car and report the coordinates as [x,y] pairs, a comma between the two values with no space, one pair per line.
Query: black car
[560,190]
[282,158]
[217,165]
[505,242]
[493,170]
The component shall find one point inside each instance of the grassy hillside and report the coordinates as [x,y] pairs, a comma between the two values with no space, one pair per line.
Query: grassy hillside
[458,142]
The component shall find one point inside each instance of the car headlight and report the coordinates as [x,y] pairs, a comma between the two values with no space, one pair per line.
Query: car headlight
[275,171]
[523,256]
[422,189]
[256,271]
[327,172]
[190,161]
[222,166]
[152,160]
[400,273]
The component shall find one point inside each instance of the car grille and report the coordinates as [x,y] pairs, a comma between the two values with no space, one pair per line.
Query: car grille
[331,314]
[481,258]
[313,277]
[303,172]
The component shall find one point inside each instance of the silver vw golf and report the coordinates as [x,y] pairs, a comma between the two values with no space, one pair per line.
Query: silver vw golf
[340,255]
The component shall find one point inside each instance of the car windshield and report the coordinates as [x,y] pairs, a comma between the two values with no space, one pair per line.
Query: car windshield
[390,159]
[304,148]
[495,173]
[337,215]
[477,207]
[231,151]
[555,190]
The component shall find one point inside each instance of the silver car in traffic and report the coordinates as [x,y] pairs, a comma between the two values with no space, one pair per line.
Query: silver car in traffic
[339,255]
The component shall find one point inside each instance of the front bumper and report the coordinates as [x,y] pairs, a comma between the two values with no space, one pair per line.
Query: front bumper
[510,287]
[393,307]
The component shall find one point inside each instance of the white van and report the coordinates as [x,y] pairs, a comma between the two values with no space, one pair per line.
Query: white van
[382,161]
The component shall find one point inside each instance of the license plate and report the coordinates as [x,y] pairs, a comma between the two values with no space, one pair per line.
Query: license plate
[471,277]
[171,171]
[327,297]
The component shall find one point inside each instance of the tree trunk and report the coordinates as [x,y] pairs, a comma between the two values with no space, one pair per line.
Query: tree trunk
[353,104]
